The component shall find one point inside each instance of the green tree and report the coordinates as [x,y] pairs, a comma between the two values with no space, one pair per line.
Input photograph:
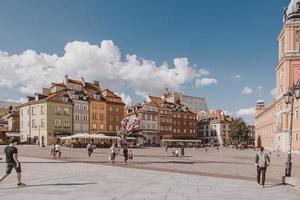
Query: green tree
[239,131]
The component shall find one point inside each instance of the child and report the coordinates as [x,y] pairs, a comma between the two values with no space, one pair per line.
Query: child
[130,157]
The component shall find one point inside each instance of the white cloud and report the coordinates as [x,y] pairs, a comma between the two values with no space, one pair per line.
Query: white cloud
[273,92]
[204,72]
[126,99]
[21,100]
[246,112]
[29,71]
[247,90]
[237,76]
[205,82]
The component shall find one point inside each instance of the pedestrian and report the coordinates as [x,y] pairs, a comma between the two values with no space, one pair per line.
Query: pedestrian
[57,150]
[12,161]
[130,157]
[182,150]
[112,154]
[90,148]
[218,148]
[206,149]
[262,161]
[125,154]
[166,148]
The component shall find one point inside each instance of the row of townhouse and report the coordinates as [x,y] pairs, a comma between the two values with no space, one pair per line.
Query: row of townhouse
[160,119]
[73,106]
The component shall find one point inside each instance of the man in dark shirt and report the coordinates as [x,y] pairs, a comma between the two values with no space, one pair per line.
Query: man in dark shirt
[11,153]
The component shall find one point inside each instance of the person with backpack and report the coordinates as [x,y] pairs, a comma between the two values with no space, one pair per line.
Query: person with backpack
[262,162]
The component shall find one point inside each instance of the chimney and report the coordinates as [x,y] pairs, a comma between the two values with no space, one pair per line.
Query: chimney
[96,83]
[66,79]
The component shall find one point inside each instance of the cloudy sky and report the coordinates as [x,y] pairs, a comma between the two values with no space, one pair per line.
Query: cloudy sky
[225,51]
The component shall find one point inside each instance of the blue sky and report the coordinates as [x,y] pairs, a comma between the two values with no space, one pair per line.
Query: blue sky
[225,37]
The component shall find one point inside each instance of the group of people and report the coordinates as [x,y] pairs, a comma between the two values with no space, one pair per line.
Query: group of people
[114,151]
[55,151]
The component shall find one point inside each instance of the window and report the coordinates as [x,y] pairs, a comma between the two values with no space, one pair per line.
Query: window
[77,117]
[143,117]
[101,127]
[101,107]
[33,110]
[66,124]
[297,137]
[77,127]
[110,127]
[65,99]
[85,127]
[57,110]
[84,117]
[94,105]
[117,118]
[85,107]
[102,117]
[184,130]
[57,123]
[111,118]
[117,109]
[77,106]
[94,115]
[66,111]
[296,114]
[94,126]
[43,123]
[33,123]
[43,110]
[117,128]
[110,109]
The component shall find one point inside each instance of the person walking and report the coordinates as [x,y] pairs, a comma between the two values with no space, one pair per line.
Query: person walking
[130,157]
[125,154]
[262,161]
[182,150]
[57,150]
[90,148]
[12,161]
[112,154]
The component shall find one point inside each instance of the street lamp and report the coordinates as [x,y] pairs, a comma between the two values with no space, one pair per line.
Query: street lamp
[289,97]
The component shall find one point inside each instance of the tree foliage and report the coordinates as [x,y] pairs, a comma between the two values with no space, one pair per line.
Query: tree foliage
[239,131]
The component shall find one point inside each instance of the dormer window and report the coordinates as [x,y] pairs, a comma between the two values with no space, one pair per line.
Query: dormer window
[65,99]
[298,6]
[97,96]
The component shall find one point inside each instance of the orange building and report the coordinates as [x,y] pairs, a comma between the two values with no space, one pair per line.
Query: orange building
[115,110]
[97,113]
[272,122]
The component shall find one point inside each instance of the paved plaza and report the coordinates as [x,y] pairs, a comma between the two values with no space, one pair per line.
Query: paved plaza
[155,175]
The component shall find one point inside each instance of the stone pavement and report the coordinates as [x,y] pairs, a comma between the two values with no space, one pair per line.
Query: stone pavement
[51,179]
[227,163]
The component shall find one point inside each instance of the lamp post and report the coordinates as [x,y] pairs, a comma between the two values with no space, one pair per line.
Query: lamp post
[289,97]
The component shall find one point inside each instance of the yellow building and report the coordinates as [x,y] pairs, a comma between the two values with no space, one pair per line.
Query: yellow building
[272,122]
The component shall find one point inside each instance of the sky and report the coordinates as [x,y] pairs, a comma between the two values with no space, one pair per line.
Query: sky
[224,51]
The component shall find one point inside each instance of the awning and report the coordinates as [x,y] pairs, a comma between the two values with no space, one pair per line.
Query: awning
[12,134]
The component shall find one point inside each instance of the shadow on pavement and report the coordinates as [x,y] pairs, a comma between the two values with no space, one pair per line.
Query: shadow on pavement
[273,185]
[49,184]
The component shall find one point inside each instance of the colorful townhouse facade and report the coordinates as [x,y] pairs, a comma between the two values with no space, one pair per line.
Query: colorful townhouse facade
[73,106]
